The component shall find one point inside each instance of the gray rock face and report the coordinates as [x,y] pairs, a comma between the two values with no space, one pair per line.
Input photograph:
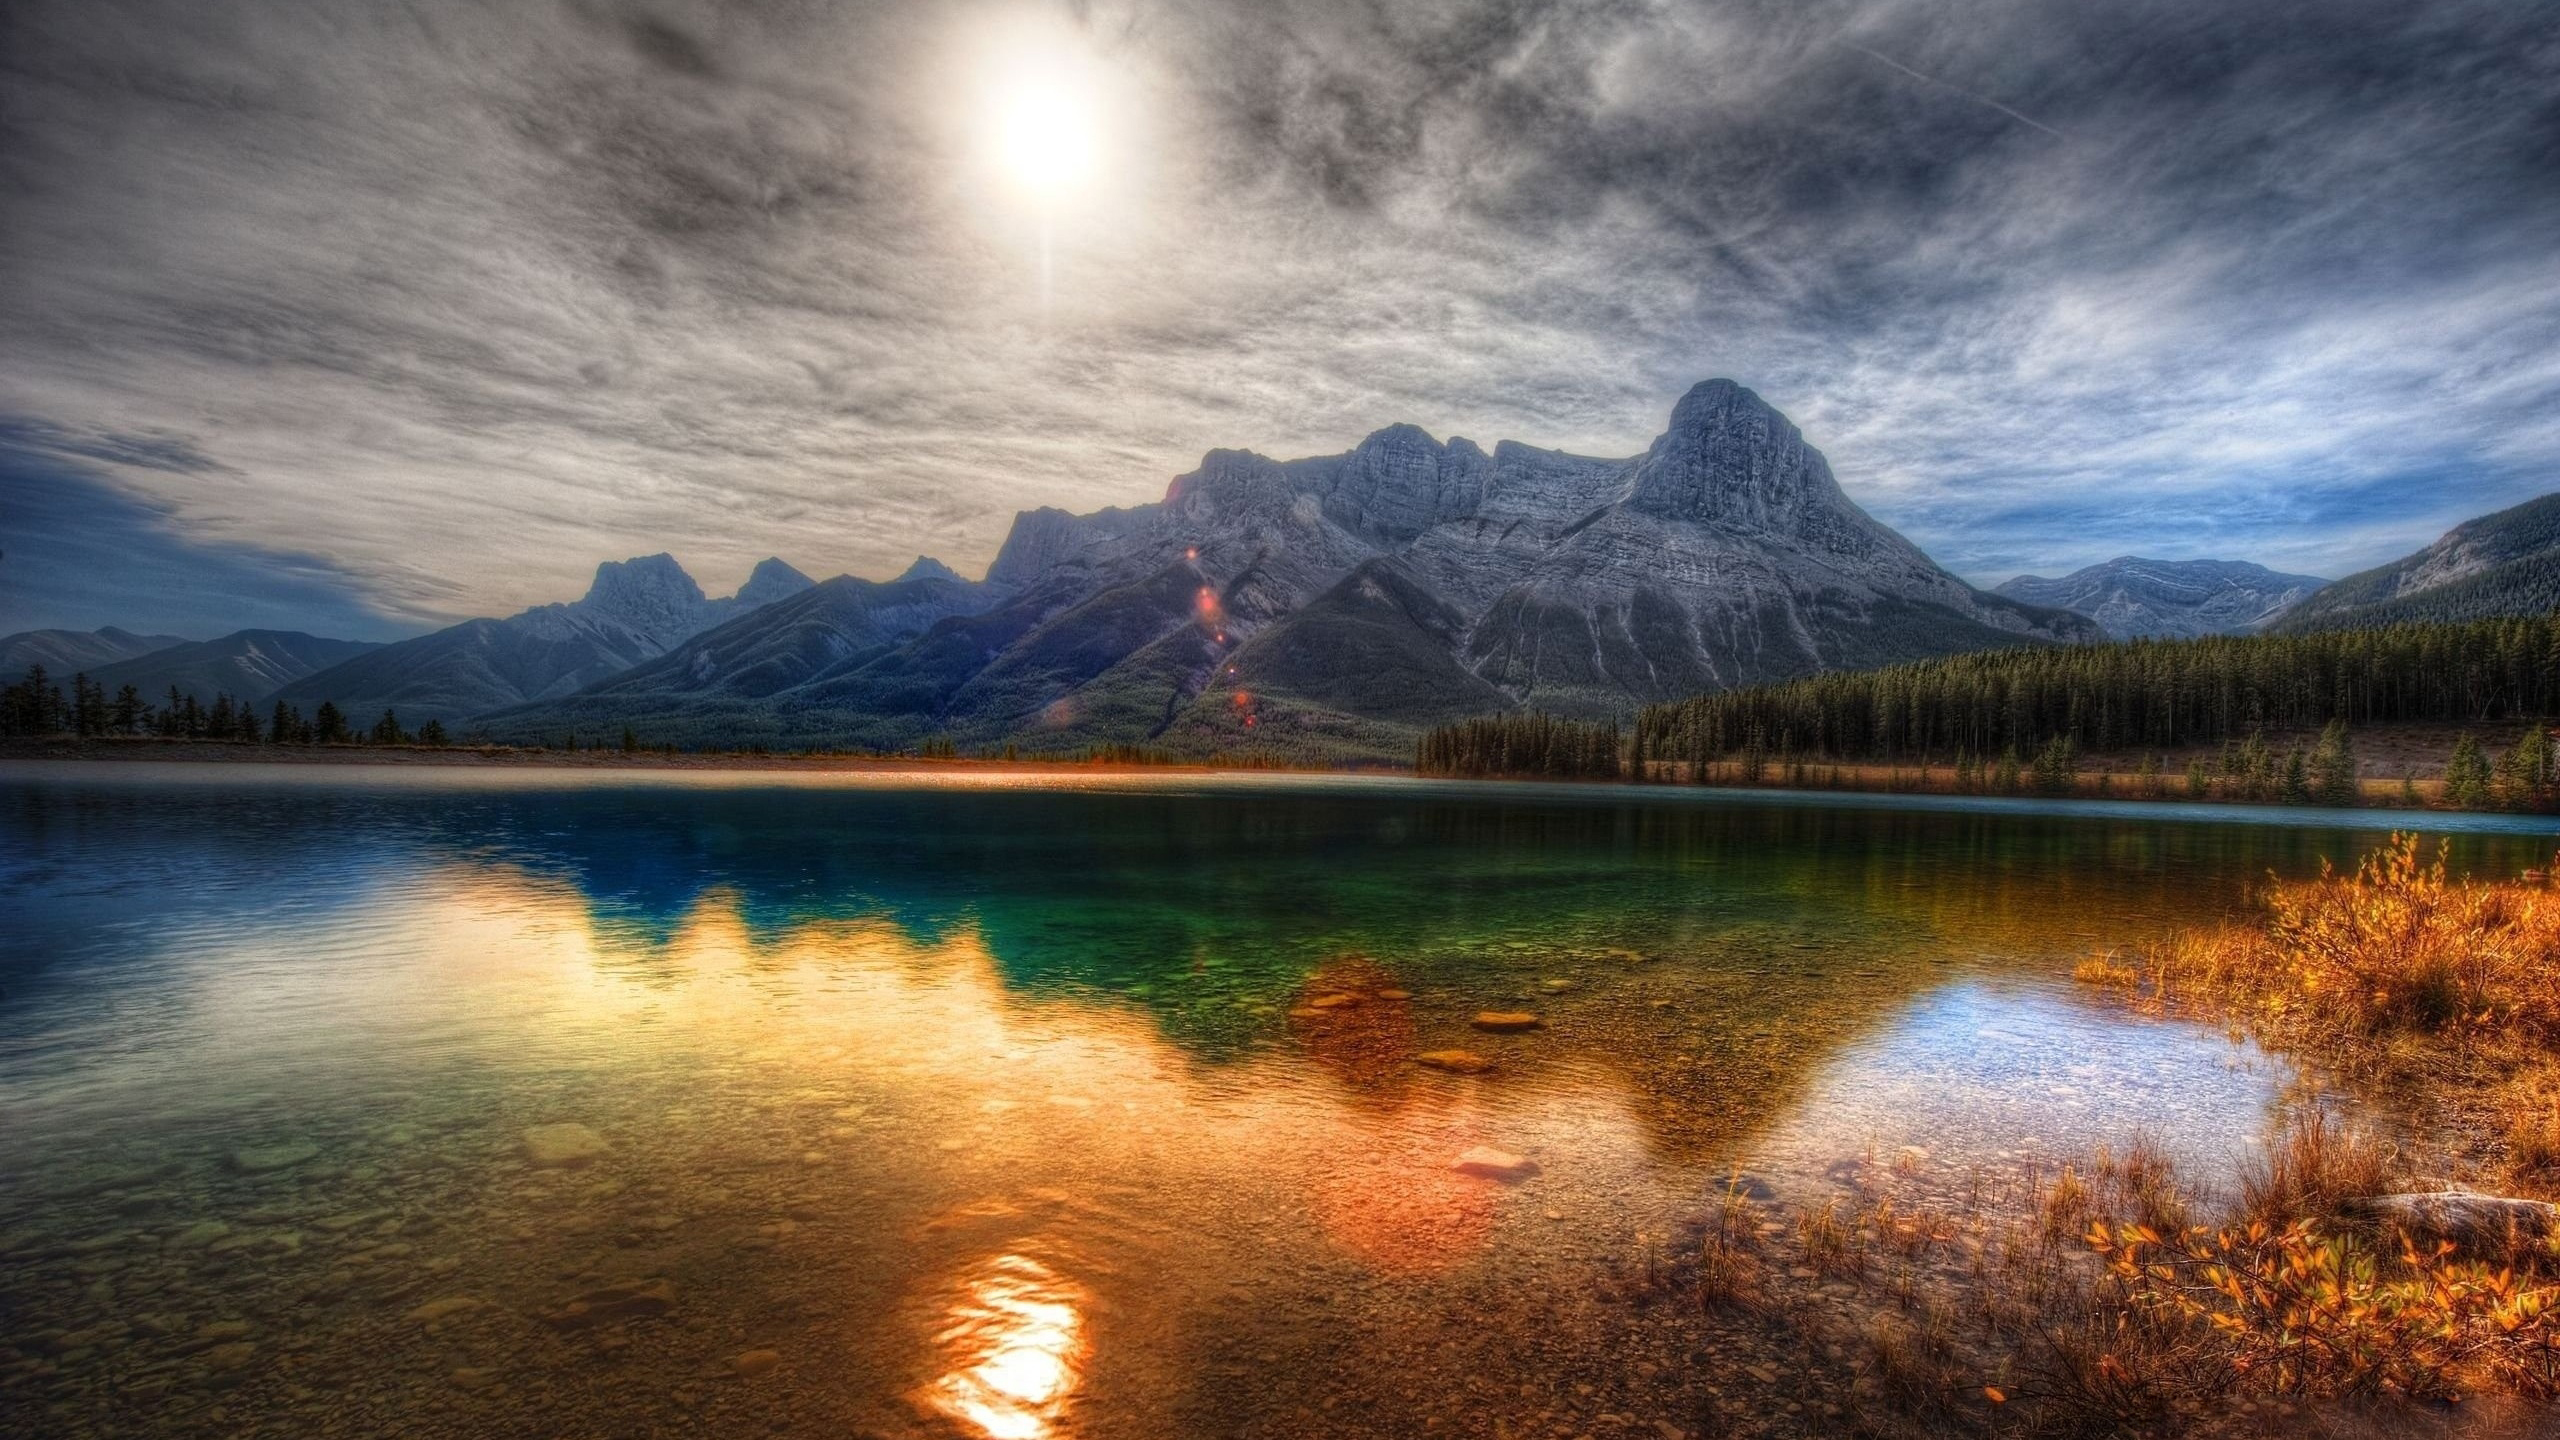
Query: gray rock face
[635,611]
[1347,600]
[2133,597]
[2507,563]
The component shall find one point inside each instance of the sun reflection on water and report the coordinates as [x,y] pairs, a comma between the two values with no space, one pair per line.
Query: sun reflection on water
[1016,1344]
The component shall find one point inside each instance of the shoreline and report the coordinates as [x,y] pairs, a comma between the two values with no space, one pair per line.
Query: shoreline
[2092,788]
[221,752]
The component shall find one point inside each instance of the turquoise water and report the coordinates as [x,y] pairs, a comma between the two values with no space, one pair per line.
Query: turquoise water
[376,1101]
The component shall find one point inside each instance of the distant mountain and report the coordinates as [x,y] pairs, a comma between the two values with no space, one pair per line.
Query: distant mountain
[1346,601]
[246,665]
[2134,597]
[2502,564]
[635,611]
[65,653]
[717,686]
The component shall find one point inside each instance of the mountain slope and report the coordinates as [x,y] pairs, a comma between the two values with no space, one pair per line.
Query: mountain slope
[713,687]
[65,653]
[2507,563]
[635,611]
[246,665]
[1354,598]
[2134,597]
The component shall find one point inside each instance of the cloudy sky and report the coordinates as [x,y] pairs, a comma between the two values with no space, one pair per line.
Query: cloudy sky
[382,315]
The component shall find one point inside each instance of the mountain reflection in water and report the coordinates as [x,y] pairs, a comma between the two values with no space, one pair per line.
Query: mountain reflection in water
[1001,1114]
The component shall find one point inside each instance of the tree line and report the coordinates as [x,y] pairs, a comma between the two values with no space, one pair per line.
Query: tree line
[1528,743]
[2016,722]
[37,706]
[2137,695]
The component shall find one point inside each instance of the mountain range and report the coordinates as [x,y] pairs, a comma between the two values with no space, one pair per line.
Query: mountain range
[1334,605]
[635,611]
[245,665]
[2507,563]
[1343,602]
[65,653]
[2132,597]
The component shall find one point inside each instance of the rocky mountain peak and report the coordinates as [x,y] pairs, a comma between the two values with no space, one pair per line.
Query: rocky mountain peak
[1731,458]
[648,594]
[1222,471]
[771,580]
[928,568]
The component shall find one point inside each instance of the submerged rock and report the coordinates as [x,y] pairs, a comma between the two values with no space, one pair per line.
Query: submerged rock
[1507,1022]
[445,1309]
[636,1301]
[566,1145]
[755,1363]
[1495,1164]
[2477,1224]
[260,1159]
[1456,1062]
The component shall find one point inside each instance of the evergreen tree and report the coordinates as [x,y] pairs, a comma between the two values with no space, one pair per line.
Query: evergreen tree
[2524,772]
[630,741]
[2005,778]
[431,733]
[387,731]
[2296,784]
[2333,767]
[88,706]
[33,706]
[2056,765]
[2466,776]
[328,726]
[2199,781]
[283,725]
[2148,778]
[128,711]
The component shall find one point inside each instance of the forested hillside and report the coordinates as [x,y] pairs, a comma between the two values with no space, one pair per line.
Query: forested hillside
[2146,694]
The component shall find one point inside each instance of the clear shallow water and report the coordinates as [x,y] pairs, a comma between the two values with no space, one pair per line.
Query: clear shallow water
[1004,1108]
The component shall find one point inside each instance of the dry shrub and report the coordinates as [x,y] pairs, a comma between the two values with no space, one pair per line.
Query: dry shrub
[2298,1310]
[2394,946]
[2106,972]
[1831,1244]
[2065,1205]
[1727,1270]
[2147,1184]
[2309,1169]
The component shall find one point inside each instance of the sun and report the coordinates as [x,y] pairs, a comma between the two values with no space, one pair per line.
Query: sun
[1043,105]
[1044,136]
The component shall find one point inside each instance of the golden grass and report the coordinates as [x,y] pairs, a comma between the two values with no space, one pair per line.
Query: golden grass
[2112,1300]
[2394,947]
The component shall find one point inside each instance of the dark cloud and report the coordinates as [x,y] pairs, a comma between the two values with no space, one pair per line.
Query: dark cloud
[466,295]
[78,553]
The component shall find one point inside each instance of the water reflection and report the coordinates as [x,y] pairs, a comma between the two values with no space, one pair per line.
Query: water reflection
[1024,1113]
[1015,1346]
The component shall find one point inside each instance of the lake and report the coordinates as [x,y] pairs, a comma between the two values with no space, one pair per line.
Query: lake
[473,1102]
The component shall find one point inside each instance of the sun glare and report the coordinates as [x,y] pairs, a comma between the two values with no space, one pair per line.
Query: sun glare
[1041,107]
[1044,136]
